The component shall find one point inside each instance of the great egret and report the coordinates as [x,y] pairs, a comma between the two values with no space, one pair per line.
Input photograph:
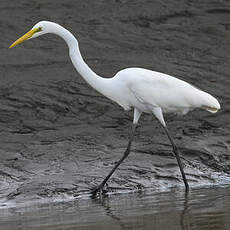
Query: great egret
[141,89]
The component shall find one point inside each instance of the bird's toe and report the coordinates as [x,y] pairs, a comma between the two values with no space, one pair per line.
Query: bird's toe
[98,190]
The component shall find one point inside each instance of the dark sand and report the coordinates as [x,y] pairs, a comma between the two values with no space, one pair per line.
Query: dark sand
[59,137]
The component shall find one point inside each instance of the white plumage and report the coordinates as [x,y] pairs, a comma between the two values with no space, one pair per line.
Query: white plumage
[145,89]
[148,91]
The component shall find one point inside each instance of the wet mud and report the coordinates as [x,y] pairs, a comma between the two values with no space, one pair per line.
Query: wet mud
[59,137]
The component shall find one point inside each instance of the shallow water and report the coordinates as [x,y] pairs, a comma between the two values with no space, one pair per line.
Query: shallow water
[201,209]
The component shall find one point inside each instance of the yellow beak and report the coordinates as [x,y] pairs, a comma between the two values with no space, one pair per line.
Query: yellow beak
[25,37]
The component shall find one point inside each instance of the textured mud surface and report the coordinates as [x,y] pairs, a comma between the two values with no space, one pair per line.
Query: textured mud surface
[58,136]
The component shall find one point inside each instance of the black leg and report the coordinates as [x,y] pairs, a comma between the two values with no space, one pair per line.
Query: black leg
[126,153]
[176,152]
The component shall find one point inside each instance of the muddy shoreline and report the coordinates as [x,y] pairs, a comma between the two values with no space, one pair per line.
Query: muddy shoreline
[59,136]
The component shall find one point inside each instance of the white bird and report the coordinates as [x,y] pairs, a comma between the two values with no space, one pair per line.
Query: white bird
[141,89]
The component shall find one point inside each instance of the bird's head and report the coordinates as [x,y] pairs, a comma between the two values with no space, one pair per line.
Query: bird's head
[39,29]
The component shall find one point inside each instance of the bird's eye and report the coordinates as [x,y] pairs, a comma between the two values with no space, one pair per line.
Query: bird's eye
[39,29]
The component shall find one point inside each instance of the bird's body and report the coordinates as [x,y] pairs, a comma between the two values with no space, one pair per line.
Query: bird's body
[144,90]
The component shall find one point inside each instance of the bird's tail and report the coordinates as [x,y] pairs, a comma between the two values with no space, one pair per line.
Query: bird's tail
[211,109]
[210,103]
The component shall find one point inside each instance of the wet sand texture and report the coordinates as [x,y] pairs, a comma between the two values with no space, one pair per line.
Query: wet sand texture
[59,136]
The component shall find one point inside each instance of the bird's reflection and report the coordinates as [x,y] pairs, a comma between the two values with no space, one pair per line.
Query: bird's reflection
[104,201]
[184,217]
[195,209]
[196,213]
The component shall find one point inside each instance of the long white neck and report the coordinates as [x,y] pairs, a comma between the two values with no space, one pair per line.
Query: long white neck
[102,85]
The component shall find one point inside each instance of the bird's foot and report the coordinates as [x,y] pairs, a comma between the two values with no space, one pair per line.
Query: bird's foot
[98,190]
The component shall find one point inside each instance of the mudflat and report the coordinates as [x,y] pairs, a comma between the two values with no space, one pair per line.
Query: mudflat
[59,137]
